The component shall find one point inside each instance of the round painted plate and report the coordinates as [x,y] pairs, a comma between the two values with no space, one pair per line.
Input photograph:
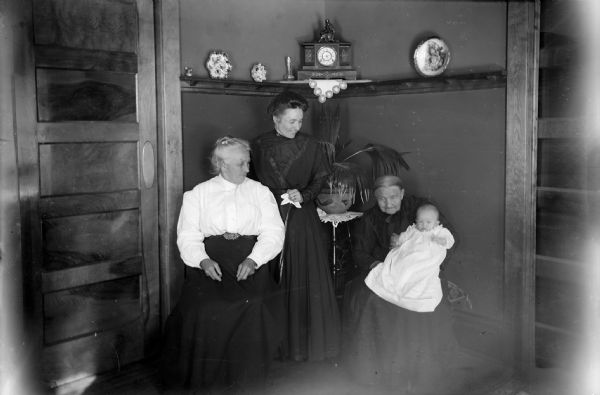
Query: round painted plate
[431,57]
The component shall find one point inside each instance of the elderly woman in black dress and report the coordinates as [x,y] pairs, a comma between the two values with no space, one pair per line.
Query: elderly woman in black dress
[411,352]
[225,328]
[293,165]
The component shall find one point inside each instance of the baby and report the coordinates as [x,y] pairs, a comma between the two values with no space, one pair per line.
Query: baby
[409,275]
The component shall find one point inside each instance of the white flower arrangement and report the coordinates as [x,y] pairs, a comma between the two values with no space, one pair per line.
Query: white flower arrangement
[258,72]
[218,65]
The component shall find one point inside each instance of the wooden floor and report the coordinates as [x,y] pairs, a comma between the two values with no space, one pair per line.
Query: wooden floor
[315,378]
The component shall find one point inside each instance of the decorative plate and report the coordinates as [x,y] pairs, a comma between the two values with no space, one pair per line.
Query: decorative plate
[431,57]
[218,65]
[258,72]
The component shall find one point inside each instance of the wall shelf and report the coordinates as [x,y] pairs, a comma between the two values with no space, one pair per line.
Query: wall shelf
[462,82]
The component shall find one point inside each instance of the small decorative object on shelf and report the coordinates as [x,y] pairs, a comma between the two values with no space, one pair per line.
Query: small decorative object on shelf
[218,65]
[258,72]
[431,57]
[327,58]
[188,71]
[289,75]
[325,89]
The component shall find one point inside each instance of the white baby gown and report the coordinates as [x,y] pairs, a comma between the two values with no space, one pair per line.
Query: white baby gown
[409,276]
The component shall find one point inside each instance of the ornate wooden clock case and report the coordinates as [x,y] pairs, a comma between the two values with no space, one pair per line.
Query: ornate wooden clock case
[326,58]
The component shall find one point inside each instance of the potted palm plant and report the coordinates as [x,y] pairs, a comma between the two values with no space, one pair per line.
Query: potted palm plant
[350,177]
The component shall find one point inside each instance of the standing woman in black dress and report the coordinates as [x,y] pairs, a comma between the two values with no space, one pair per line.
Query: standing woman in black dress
[293,164]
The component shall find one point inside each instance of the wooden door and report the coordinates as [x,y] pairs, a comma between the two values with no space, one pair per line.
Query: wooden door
[90,168]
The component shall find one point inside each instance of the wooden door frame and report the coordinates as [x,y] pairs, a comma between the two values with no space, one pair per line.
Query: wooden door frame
[521,155]
[170,148]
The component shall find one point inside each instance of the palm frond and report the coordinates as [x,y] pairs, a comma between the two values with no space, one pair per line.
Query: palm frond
[385,160]
[347,177]
[329,150]
[328,127]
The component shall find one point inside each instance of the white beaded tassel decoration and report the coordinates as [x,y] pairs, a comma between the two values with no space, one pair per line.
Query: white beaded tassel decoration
[325,89]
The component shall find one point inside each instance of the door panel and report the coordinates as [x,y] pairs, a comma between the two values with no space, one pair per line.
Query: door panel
[97,167]
[98,217]
[90,308]
[66,95]
[109,25]
[87,239]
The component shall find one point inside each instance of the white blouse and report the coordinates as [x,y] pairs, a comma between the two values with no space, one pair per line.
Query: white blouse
[218,206]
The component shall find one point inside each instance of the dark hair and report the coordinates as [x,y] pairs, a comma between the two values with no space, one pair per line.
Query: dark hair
[286,100]
[387,181]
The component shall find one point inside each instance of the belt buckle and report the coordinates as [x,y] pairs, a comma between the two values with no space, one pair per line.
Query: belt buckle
[230,236]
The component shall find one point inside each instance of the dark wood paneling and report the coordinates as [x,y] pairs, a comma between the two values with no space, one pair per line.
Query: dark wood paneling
[62,206]
[85,59]
[91,308]
[110,25]
[560,236]
[559,303]
[560,164]
[561,56]
[99,352]
[557,96]
[87,168]
[549,128]
[78,276]
[86,239]
[88,132]
[559,269]
[66,95]
[555,348]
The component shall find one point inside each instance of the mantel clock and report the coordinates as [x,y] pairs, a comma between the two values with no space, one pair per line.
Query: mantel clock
[326,58]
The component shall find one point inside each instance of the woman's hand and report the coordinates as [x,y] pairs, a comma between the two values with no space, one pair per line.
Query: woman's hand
[245,269]
[211,269]
[394,240]
[295,195]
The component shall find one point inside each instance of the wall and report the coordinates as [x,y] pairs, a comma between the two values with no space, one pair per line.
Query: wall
[456,140]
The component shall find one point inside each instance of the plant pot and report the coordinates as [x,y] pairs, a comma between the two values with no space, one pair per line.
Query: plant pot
[334,202]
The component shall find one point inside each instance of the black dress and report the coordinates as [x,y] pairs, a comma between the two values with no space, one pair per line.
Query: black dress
[222,334]
[387,345]
[313,323]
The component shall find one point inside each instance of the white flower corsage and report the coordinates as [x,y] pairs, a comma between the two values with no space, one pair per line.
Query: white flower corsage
[258,72]
[218,65]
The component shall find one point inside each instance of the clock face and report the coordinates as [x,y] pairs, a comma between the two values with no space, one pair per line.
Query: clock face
[326,56]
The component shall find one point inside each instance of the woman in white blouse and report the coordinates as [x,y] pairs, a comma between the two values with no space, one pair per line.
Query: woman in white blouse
[225,329]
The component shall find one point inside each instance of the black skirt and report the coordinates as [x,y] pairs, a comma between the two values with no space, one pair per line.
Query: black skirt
[222,334]
[409,352]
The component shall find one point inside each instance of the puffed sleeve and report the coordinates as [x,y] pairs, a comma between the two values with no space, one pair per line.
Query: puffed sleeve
[445,233]
[190,239]
[271,230]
